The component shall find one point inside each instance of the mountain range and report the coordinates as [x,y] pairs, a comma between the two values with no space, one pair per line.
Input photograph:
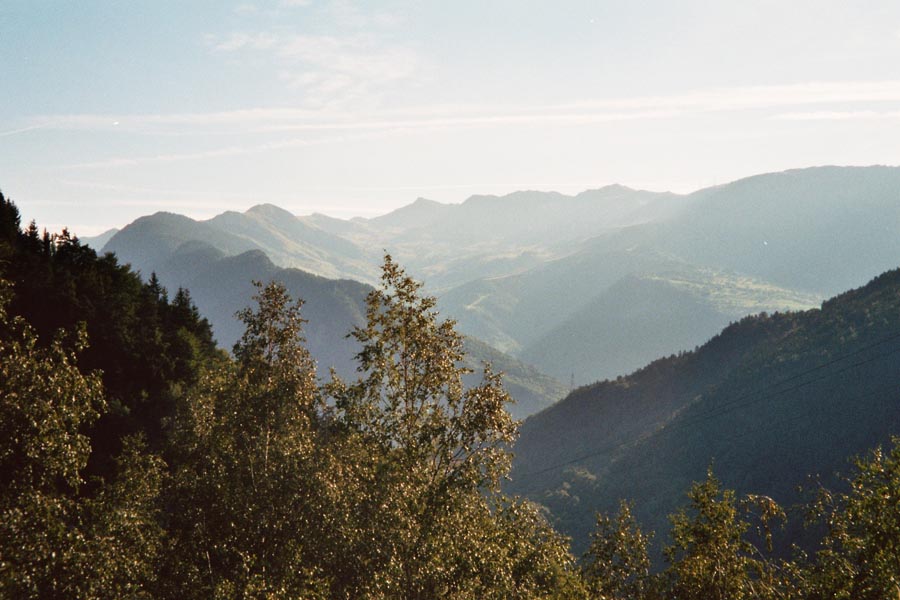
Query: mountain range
[221,285]
[547,278]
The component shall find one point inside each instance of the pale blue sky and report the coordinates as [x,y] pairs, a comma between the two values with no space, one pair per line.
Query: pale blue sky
[111,110]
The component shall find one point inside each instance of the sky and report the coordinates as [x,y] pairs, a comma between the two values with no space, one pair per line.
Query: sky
[111,110]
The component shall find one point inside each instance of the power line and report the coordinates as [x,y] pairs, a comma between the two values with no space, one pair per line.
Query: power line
[806,372]
[732,406]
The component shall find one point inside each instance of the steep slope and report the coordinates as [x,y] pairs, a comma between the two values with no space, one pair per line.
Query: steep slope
[512,312]
[641,318]
[290,242]
[340,227]
[531,390]
[768,401]
[149,241]
[222,285]
[96,242]
[822,229]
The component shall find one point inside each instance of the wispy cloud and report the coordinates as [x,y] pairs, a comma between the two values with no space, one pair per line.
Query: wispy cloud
[360,131]
[329,70]
[274,120]
[246,9]
[9,132]
[838,115]
[306,126]
[764,96]
[223,152]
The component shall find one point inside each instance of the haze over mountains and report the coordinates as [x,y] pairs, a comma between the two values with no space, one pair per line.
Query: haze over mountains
[221,285]
[568,282]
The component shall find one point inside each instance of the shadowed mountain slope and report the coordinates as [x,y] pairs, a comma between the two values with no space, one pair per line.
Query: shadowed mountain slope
[768,401]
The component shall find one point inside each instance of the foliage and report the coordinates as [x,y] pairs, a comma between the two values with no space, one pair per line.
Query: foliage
[54,541]
[711,558]
[147,347]
[617,565]
[434,456]
[244,488]
[860,553]
[383,487]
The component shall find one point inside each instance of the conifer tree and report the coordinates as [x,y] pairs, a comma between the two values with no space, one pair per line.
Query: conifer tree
[56,540]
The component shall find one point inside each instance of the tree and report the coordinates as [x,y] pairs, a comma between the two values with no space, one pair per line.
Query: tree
[245,490]
[860,554]
[44,403]
[147,348]
[617,565]
[710,559]
[427,506]
[56,541]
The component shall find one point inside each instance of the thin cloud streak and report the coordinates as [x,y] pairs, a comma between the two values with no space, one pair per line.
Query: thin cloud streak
[333,70]
[25,129]
[849,115]
[205,154]
[273,120]
[378,130]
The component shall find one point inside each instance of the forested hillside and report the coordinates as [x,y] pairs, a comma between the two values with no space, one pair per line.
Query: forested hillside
[147,345]
[770,400]
[258,482]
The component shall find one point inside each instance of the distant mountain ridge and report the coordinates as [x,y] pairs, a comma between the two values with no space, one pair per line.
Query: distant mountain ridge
[96,242]
[150,241]
[522,271]
[799,236]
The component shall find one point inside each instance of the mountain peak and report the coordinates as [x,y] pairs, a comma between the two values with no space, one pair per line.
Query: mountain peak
[270,211]
[421,212]
[613,189]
